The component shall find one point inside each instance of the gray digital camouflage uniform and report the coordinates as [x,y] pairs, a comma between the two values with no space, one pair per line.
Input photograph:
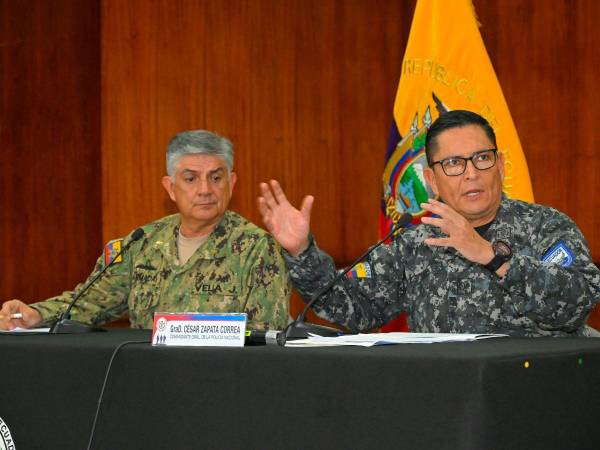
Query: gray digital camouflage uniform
[239,268]
[441,291]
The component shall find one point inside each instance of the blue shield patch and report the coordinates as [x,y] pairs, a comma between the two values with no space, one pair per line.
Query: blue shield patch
[559,254]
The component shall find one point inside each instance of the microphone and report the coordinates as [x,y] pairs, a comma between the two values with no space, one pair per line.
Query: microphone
[268,337]
[64,324]
[299,328]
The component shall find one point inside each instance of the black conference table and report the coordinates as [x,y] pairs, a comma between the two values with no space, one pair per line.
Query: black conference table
[476,395]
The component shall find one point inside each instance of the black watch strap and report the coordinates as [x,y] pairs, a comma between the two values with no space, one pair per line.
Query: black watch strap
[502,254]
[495,263]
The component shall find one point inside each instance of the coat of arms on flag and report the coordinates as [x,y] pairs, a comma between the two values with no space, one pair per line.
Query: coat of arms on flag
[404,187]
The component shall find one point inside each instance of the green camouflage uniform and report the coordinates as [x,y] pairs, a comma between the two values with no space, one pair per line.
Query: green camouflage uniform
[549,289]
[239,268]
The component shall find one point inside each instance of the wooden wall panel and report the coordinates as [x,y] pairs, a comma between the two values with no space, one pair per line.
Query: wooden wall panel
[546,58]
[303,88]
[50,203]
[305,91]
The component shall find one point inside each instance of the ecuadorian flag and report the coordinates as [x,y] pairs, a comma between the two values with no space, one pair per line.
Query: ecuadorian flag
[360,270]
[445,67]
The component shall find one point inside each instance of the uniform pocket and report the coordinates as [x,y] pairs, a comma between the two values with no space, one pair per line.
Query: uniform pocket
[146,285]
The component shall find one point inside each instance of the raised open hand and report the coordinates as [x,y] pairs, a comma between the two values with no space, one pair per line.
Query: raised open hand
[288,225]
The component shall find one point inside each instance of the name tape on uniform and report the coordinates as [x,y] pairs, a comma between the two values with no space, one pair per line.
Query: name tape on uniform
[199,329]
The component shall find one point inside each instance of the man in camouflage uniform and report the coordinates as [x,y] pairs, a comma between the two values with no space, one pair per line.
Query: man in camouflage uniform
[203,259]
[481,264]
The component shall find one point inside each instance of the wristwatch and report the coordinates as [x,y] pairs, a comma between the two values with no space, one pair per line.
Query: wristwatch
[502,254]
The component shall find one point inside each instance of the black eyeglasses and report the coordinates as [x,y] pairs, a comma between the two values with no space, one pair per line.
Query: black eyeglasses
[456,165]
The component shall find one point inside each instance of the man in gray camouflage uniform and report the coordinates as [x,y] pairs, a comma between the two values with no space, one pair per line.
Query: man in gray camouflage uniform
[203,259]
[481,264]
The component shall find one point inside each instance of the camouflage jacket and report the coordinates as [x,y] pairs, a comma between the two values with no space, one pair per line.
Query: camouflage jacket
[549,289]
[239,268]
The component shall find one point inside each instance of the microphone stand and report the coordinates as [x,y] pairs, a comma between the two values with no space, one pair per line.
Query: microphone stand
[299,329]
[64,324]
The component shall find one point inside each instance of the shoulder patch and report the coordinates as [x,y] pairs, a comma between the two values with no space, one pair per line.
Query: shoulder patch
[360,270]
[559,254]
[111,250]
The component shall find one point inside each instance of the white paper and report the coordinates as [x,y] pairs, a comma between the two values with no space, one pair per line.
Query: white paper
[25,330]
[371,339]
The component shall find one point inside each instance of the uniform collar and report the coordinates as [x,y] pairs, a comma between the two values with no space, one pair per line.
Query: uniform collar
[214,244]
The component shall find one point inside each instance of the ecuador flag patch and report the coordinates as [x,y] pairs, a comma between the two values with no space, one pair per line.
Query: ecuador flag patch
[361,270]
[111,250]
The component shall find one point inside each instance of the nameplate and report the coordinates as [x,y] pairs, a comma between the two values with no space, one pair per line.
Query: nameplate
[199,329]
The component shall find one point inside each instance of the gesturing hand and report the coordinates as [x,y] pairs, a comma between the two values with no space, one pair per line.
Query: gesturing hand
[288,225]
[460,234]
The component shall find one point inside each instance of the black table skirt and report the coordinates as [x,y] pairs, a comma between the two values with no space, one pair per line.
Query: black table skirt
[474,395]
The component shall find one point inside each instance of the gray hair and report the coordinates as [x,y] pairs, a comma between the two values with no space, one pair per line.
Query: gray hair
[198,142]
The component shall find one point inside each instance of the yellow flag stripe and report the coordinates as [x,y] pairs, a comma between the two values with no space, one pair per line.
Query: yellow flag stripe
[446,55]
